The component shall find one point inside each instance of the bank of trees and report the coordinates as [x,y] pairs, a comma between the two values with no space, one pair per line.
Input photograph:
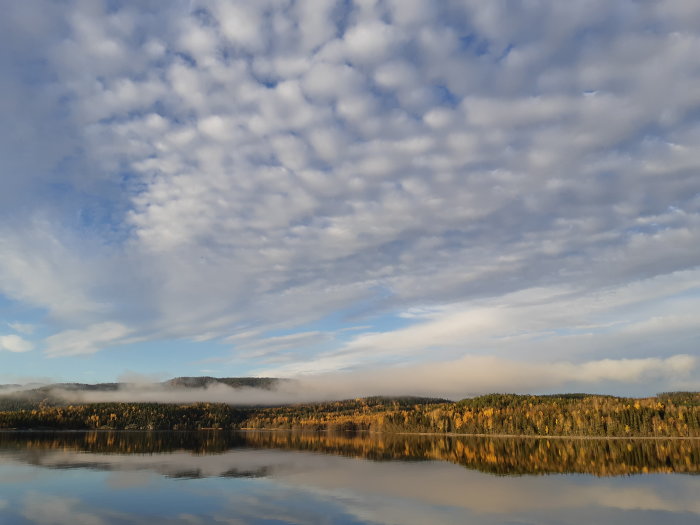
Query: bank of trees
[666,415]
[566,415]
[124,416]
[571,415]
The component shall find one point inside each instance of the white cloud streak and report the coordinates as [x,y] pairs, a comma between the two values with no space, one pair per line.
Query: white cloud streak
[22,328]
[86,341]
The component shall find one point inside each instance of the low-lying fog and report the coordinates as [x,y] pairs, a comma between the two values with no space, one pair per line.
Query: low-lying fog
[453,380]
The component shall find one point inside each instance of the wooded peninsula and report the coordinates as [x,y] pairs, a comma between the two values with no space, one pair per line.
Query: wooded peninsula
[674,414]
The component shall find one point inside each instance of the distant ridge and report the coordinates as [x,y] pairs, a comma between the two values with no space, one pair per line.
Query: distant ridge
[265,383]
[97,387]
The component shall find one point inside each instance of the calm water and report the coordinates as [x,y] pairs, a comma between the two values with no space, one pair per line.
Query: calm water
[98,478]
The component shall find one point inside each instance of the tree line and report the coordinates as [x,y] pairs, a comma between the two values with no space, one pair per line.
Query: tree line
[665,415]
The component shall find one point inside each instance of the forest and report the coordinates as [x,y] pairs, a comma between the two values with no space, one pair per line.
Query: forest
[675,414]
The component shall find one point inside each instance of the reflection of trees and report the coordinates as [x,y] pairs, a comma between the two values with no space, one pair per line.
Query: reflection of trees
[117,442]
[502,456]
[506,456]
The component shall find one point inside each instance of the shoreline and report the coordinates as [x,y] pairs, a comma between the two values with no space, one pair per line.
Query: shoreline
[366,432]
[455,434]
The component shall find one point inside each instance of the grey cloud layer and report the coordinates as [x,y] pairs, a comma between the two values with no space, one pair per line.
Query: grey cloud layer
[254,164]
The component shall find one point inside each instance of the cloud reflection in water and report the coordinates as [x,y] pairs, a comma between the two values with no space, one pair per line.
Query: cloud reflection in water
[255,485]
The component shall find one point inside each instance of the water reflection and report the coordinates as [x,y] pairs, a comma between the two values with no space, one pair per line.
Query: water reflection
[101,478]
[502,456]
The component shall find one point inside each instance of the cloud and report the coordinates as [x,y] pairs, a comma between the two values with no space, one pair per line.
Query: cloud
[189,172]
[86,341]
[530,324]
[472,375]
[22,328]
[274,345]
[14,343]
[32,264]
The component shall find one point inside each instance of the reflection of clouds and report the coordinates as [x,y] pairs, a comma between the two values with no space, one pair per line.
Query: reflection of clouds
[15,473]
[367,485]
[285,504]
[47,509]
[44,509]
[123,480]
[4,503]
[237,463]
[191,518]
[445,484]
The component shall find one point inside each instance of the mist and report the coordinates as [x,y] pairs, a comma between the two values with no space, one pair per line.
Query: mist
[457,379]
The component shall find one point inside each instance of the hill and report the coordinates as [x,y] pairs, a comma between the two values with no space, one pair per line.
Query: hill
[266,383]
[28,397]
[31,390]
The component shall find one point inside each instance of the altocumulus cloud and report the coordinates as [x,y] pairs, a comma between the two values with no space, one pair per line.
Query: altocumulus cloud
[510,180]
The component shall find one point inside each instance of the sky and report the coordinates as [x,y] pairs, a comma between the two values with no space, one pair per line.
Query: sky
[471,196]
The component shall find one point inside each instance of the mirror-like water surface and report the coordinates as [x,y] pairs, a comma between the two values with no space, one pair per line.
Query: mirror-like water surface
[283,477]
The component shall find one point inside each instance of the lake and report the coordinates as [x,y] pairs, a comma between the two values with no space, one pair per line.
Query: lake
[98,478]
